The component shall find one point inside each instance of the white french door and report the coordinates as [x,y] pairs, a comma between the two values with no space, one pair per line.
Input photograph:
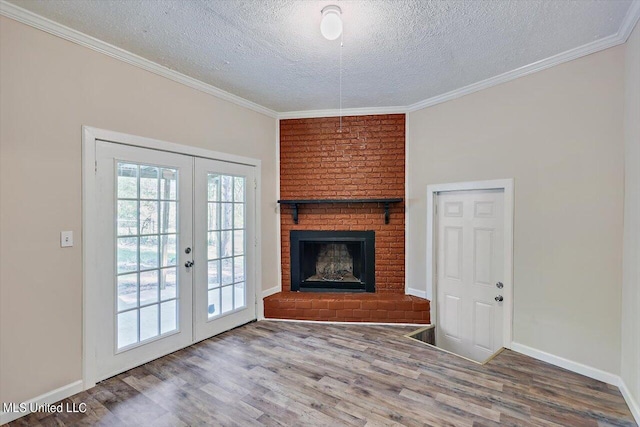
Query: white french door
[225,247]
[174,261]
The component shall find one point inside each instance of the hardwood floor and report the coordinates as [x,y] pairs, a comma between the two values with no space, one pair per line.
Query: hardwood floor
[294,374]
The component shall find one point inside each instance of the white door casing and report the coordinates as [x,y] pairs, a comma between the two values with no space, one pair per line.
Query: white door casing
[469,267]
[96,264]
[507,185]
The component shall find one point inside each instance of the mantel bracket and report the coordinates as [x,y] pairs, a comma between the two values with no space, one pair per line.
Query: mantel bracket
[386,213]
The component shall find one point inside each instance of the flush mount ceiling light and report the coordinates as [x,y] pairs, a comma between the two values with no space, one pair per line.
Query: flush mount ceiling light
[331,25]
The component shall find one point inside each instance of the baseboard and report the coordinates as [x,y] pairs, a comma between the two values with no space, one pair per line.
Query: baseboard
[271,291]
[418,325]
[416,293]
[587,371]
[44,399]
[260,303]
[567,364]
[634,406]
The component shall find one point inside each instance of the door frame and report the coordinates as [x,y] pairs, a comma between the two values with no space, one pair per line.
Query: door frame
[507,185]
[90,135]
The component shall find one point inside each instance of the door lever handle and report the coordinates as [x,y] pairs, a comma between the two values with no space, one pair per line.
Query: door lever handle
[188,264]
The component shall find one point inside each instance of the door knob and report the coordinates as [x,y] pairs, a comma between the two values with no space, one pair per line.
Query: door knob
[188,264]
[499,298]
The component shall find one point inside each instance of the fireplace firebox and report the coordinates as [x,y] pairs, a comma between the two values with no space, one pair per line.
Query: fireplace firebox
[333,261]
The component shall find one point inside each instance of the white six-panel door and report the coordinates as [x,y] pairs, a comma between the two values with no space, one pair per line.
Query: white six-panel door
[469,271]
[176,254]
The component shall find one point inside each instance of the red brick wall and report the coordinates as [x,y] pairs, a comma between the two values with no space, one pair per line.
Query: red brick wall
[365,160]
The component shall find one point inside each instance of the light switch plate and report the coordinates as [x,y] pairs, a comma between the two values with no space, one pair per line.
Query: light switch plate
[66,239]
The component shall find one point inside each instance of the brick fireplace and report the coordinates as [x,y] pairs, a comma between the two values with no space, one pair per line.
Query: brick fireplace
[362,158]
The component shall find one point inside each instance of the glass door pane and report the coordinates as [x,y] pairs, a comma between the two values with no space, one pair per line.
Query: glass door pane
[225,247]
[146,241]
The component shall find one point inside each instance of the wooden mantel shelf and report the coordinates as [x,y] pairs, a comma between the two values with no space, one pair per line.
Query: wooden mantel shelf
[294,204]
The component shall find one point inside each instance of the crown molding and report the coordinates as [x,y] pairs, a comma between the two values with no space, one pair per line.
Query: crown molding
[630,19]
[26,17]
[367,111]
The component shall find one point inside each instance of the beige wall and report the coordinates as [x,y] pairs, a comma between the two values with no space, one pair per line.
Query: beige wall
[558,133]
[631,274]
[50,88]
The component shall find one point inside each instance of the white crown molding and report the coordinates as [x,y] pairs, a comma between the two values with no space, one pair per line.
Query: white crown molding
[26,17]
[560,58]
[630,19]
[366,111]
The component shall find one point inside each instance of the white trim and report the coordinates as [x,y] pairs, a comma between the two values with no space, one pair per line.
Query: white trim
[629,23]
[416,292]
[48,398]
[507,186]
[265,293]
[90,136]
[27,17]
[328,322]
[582,369]
[365,111]
[171,147]
[257,275]
[570,365]
[89,227]
[632,16]
[634,406]
[271,291]
[435,347]
[277,288]
[407,236]
[277,210]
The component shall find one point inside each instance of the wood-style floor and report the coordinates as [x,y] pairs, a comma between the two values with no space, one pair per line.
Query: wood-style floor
[297,374]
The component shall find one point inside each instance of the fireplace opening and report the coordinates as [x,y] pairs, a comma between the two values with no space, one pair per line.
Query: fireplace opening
[333,261]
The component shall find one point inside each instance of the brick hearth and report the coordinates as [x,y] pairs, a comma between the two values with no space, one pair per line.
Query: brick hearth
[365,160]
[341,307]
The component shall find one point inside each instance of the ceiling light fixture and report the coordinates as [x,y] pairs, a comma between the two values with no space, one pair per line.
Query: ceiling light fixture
[331,25]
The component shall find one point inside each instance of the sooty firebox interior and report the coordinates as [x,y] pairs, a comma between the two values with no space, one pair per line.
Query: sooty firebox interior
[333,261]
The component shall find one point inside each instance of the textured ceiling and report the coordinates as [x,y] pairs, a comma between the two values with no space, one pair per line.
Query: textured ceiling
[396,52]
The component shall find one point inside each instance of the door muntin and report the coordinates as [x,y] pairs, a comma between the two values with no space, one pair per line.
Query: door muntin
[226,244]
[147,240]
